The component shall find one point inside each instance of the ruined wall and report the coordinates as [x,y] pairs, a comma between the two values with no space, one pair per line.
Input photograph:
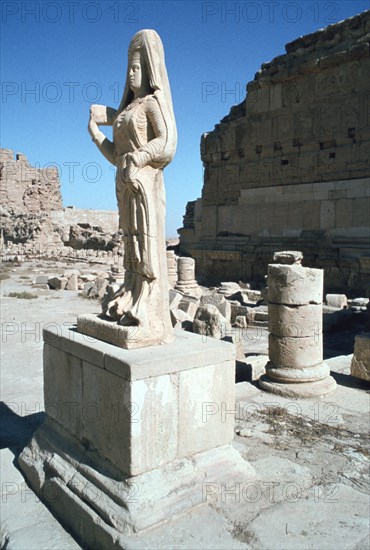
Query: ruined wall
[25,188]
[106,219]
[290,166]
[31,210]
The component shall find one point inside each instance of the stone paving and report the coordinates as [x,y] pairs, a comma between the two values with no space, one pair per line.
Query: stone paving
[311,456]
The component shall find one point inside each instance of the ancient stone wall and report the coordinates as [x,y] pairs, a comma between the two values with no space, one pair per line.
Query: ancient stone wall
[32,212]
[289,167]
[106,219]
[25,188]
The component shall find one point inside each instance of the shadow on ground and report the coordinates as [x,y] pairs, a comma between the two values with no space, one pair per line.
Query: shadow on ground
[17,430]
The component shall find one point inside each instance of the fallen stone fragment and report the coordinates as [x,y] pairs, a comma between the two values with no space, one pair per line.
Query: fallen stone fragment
[174,298]
[289,257]
[72,283]
[229,288]
[219,301]
[241,321]
[257,365]
[208,321]
[336,300]
[181,319]
[57,283]
[189,304]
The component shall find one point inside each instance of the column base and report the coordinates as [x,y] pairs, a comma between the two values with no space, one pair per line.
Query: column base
[100,504]
[301,390]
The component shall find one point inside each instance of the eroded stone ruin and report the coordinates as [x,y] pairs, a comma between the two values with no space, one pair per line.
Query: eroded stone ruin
[289,167]
[33,219]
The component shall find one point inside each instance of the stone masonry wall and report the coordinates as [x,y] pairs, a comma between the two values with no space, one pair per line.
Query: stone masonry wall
[291,164]
[32,212]
[25,188]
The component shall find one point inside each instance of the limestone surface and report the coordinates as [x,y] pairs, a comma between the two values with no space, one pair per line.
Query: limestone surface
[360,365]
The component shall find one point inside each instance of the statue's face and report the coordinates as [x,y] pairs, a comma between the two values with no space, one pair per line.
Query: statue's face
[136,72]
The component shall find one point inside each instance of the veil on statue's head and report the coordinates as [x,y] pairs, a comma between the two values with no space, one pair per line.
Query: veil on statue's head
[149,43]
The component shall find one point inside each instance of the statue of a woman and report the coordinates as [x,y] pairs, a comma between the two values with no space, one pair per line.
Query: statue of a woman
[144,142]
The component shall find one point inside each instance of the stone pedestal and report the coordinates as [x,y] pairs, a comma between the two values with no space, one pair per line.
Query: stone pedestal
[131,436]
[186,282]
[296,367]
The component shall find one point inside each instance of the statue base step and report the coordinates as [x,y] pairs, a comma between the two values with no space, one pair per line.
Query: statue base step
[100,505]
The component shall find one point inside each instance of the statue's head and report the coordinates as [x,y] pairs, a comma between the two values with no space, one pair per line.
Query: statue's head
[146,48]
[146,65]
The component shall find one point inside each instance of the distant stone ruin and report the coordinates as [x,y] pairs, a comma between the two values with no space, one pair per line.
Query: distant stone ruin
[34,222]
[289,167]
[26,188]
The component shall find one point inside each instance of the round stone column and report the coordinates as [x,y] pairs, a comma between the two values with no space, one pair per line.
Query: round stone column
[186,282]
[295,293]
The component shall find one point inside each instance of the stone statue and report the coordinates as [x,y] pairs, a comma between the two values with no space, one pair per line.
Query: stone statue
[144,142]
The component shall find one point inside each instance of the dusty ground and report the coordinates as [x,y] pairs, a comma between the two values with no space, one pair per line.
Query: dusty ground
[312,457]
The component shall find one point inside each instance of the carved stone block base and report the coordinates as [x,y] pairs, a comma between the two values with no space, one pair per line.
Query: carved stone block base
[132,437]
[100,505]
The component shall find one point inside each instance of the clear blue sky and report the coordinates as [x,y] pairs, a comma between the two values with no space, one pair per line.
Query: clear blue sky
[57,57]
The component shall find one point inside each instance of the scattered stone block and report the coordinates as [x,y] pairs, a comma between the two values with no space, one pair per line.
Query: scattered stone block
[237,310]
[360,365]
[261,315]
[57,283]
[256,364]
[174,298]
[69,272]
[72,283]
[99,288]
[288,257]
[219,301]
[87,277]
[358,304]
[189,304]
[244,285]
[252,295]
[229,288]
[336,300]
[87,289]
[181,319]
[241,321]
[208,321]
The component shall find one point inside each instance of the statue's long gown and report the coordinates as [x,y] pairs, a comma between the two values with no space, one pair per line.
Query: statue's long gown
[143,299]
